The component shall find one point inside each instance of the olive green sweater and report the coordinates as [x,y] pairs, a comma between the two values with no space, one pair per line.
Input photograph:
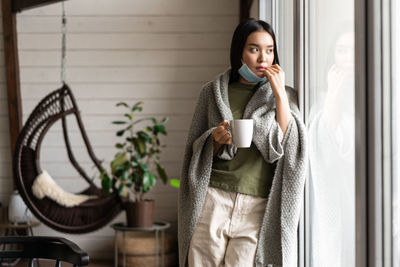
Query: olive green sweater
[248,172]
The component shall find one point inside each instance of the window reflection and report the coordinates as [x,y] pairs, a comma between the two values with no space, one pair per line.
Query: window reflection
[331,140]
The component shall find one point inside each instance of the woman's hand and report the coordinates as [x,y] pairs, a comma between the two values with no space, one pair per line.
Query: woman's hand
[221,136]
[335,100]
[276,77]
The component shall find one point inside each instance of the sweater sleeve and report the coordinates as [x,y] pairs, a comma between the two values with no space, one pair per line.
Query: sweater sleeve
[199,122]
[273,149]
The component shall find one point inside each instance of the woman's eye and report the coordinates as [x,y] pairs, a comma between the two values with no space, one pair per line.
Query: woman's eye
[270,50]
[253,49]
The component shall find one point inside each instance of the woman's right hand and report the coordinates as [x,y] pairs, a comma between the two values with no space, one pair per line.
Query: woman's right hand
[221,136]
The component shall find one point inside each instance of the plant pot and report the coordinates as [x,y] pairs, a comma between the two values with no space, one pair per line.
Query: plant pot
[140,214]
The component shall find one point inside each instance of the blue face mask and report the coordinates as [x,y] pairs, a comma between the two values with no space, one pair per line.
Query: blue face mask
[249,76]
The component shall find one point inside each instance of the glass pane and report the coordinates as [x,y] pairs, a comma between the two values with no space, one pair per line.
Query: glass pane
[331,133]
[396,131]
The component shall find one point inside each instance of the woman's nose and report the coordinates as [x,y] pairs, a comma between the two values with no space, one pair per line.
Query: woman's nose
[262,57]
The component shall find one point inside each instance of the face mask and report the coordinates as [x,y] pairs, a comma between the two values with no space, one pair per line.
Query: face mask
[249,76]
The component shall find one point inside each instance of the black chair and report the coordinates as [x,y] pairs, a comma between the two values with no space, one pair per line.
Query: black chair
[43,247]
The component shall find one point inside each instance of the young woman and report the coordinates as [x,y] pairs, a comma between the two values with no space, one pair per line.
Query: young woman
[240,206]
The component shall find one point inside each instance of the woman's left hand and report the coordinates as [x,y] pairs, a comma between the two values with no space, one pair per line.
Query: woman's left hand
[276,77]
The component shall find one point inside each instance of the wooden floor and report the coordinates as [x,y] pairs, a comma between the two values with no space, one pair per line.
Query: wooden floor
[45,263]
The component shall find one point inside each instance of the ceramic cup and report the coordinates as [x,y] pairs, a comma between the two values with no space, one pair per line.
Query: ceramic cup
[242,132]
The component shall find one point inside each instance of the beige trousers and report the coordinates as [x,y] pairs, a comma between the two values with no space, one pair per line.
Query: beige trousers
[227,230]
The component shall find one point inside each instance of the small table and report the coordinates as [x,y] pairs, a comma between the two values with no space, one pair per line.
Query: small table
[11,230]
[158,227]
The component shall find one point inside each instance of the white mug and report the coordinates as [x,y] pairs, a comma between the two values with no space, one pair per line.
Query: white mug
[242,132]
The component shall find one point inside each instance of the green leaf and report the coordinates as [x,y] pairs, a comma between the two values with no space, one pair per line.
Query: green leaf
[159,129]
[120,132]
[119,145]
[119,160]
[140,146]
[129,127]
[137,106]
[119,122]
[144,136]
[143,167]
[125,176]
[146,188]
[133,163]
[162,174]
[164,120]
[175,183]
[149,180]
[106,184]
[120,167]
[146,177]
[136,178]
[152,180]
[121,189]
[129,116]
[122,104]
[103,174]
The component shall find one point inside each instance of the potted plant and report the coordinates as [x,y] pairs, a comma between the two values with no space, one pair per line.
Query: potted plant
[136,167]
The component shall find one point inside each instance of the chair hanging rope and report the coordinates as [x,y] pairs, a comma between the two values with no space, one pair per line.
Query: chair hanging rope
[63,44]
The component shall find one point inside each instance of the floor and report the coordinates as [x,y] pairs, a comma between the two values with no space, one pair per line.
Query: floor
[47,263]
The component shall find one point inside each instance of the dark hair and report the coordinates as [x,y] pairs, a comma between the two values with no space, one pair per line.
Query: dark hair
[242,31]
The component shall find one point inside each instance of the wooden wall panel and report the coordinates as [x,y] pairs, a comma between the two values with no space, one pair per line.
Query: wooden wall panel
[161,52]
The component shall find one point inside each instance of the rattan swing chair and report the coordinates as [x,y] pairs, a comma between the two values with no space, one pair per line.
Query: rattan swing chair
[88,216]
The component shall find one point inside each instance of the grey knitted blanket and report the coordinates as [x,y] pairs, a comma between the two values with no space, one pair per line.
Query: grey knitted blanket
[277,244]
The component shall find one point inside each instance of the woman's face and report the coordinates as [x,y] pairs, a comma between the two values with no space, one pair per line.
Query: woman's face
[258,52]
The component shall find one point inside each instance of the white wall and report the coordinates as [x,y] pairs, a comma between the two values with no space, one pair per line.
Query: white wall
[157,51]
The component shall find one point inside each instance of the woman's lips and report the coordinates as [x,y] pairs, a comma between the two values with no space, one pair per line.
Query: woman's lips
[261,69]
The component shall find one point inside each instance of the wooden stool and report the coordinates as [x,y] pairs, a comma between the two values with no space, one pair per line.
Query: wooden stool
[137,247]
[141,249]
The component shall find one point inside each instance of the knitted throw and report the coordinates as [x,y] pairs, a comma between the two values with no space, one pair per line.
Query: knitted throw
[277,245]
